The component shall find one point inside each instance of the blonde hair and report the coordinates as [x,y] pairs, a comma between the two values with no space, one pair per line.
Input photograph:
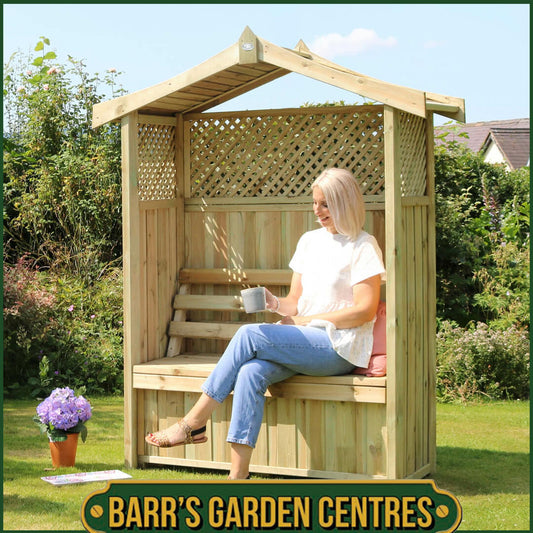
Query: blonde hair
[344,198]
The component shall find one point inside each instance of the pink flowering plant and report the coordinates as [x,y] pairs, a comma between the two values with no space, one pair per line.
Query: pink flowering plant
[61,413]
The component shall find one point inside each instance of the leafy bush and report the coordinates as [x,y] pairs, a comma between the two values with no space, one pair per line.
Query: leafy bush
[505,286]
[62,209]
[59,332]
[28,307]
[461,248]
[482,217]
[62,190]
[479,362]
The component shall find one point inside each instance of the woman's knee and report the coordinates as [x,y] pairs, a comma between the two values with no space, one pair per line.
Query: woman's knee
[253,374]
[249,335]
[260,374]
[248,330]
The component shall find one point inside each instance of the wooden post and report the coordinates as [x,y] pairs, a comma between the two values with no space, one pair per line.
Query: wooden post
[432,293]
[132,282]
[181,183]
[174,343]
[394,252]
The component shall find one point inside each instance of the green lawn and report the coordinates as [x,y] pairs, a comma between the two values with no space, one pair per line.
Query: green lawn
[482,459]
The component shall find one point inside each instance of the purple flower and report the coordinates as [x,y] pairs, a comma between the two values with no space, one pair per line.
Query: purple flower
[83,408]
[71,308]
[63,410]
[43,411]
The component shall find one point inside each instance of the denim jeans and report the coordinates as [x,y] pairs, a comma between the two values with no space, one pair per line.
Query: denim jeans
[260,355]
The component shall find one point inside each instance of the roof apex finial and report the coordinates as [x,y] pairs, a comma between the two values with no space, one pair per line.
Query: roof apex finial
[248,47]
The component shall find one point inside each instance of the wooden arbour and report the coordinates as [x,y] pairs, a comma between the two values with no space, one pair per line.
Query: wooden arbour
[213,201]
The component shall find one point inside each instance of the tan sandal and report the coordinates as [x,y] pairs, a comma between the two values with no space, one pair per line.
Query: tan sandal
[161,440]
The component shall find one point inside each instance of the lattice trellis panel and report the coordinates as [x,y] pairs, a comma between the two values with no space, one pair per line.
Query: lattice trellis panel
[280,154]
[413,155]
[156,167]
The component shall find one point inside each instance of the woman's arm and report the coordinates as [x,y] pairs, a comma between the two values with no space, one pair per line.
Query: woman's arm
[364,308]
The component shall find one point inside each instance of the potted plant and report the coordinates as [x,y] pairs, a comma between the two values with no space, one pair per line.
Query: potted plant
[62,417]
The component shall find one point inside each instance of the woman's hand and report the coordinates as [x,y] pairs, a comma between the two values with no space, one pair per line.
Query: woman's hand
[287,320]
[272,303]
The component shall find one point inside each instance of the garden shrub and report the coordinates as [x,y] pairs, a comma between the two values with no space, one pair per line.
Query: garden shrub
[62,178]
[27,309]
[460,252]
[480,210]
[59,331]
[505,286]
[480,362]
[89,351]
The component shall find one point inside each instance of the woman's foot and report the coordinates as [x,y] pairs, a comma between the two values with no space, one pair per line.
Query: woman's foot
[235,478]
[178,434]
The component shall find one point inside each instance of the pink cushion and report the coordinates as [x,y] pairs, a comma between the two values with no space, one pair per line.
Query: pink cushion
[377,365]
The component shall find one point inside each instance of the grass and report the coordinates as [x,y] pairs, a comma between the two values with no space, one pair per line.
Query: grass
[482,459]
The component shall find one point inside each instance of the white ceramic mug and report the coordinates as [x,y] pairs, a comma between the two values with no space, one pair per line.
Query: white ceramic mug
[254,299]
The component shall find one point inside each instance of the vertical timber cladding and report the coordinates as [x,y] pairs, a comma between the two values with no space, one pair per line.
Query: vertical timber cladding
[415,213]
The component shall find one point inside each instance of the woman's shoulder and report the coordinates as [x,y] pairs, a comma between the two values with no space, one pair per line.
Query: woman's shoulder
[366,243]
[364,238]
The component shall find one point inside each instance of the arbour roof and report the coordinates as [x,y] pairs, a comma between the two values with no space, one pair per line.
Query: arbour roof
[252,62]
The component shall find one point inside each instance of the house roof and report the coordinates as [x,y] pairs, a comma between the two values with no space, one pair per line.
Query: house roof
[477,132]
[513,144]
[252,62]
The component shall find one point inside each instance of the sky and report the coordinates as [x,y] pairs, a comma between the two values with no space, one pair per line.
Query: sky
[479,52]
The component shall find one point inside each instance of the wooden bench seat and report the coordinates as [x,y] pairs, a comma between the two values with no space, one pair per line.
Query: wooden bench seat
[187,372]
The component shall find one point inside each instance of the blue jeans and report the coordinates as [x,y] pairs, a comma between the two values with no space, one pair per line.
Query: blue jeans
[260,355]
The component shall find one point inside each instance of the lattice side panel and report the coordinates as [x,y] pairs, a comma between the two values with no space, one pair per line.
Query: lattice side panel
[157,170]
[413,155]
[281,154]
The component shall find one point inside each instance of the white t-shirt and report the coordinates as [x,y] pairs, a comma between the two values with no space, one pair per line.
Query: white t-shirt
[330,265]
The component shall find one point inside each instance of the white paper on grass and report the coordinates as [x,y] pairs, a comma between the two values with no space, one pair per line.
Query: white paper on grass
[85,477]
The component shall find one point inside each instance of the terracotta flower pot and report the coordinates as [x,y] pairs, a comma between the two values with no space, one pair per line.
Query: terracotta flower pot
[64,452]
